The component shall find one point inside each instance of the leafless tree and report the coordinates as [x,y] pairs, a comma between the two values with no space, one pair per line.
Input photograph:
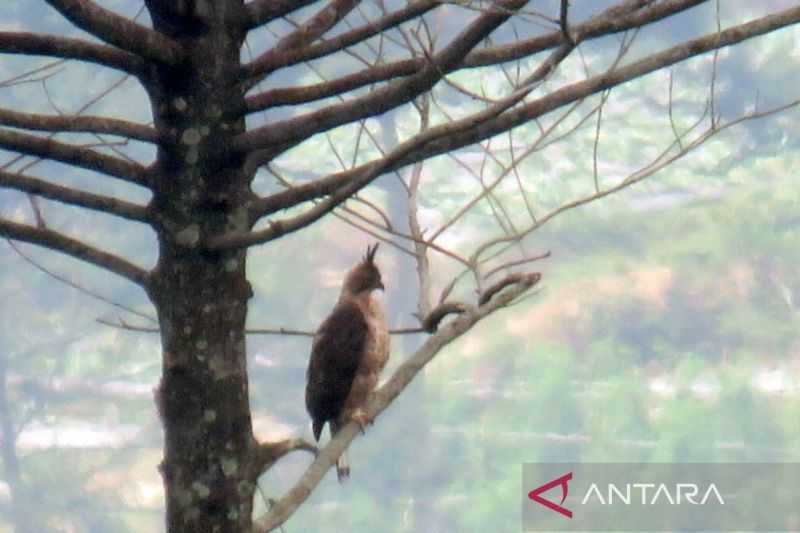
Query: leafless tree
[223,115]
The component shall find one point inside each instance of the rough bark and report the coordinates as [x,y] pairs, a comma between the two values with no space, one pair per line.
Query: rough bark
[200,188]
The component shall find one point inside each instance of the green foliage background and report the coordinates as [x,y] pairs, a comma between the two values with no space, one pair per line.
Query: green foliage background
[665,328]
[650,340]
[672,329]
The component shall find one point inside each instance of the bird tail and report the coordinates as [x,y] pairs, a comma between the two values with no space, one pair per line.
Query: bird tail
[316,425]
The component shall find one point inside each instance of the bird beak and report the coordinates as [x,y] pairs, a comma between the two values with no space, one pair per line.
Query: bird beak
[380,286]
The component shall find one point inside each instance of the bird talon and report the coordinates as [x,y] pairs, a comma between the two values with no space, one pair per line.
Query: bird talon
[360,417]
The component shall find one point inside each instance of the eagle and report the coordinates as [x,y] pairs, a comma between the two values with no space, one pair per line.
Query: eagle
[349,351]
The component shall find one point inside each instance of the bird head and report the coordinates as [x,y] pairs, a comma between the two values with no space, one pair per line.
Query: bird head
[365,276]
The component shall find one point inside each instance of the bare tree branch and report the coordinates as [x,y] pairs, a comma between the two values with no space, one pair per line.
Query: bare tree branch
[35,74]
[75,248]
[69,48]
[77,286]
[509,280]
[383,398]
[614,20]
[119,31]
[271,60]
[122,324]
[316,26]
[517,262]
[69,196]
[424,279]
[463,135]
[617,18]
[351,186]
[262,11]
[73,123]
[487,190]
[281,331]
[310,93]
[293,130]
[665,158]
[580,90]
[267,454]
[330,184]
[430,323]
[74,155]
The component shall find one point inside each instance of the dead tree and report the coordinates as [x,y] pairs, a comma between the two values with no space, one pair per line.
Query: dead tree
[205,215]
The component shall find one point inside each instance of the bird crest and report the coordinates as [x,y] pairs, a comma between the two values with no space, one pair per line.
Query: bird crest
[365,276]
[369,257]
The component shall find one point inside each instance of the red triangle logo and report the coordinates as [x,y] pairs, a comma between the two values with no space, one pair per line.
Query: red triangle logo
[562,481]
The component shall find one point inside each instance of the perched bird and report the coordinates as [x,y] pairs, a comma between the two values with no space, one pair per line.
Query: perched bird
[349,351]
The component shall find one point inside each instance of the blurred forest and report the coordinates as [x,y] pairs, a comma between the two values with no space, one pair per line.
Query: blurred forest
[664,333]
[664,328]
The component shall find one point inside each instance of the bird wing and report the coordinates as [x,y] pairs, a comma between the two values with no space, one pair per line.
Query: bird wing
[336,354]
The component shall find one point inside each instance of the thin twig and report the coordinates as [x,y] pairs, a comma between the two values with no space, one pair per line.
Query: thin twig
[77,286]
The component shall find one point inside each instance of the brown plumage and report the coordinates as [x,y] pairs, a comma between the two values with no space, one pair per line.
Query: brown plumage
[349,351]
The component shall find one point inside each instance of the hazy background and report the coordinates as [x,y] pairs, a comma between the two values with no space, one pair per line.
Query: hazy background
[665,328]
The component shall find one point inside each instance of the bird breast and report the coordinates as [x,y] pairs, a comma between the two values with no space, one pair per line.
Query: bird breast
[378,339]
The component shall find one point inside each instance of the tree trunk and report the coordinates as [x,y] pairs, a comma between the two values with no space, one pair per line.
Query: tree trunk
[203,395]
[201,189]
